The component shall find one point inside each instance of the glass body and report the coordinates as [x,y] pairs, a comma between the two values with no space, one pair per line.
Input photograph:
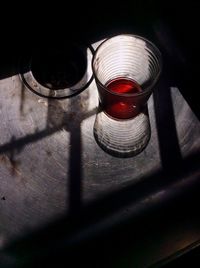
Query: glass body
[126,68]
[131,58]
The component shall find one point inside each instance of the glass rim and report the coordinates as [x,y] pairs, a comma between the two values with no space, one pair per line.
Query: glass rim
[30,81]
[148,88]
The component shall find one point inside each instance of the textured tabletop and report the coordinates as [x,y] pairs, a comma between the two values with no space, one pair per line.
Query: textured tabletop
[50,164]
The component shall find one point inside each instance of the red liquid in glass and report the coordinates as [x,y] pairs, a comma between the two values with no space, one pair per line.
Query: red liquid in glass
[121,105]
[123,86]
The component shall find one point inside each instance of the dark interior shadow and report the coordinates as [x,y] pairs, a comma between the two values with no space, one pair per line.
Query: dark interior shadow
[59,67]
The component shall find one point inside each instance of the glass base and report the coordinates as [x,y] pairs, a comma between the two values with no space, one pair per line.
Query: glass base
[122,138]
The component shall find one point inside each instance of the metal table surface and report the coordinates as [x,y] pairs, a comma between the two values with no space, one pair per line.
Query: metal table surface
[51,166]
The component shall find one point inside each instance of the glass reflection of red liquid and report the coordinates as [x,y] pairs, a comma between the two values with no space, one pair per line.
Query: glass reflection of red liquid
[123,104]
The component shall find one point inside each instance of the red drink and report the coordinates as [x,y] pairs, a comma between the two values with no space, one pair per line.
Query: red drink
[123,86]
[122,101]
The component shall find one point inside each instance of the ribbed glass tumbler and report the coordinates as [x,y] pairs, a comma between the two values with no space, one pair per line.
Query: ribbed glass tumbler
[126,68]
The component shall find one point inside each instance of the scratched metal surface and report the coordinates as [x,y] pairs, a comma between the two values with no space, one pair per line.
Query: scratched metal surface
[50,163]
